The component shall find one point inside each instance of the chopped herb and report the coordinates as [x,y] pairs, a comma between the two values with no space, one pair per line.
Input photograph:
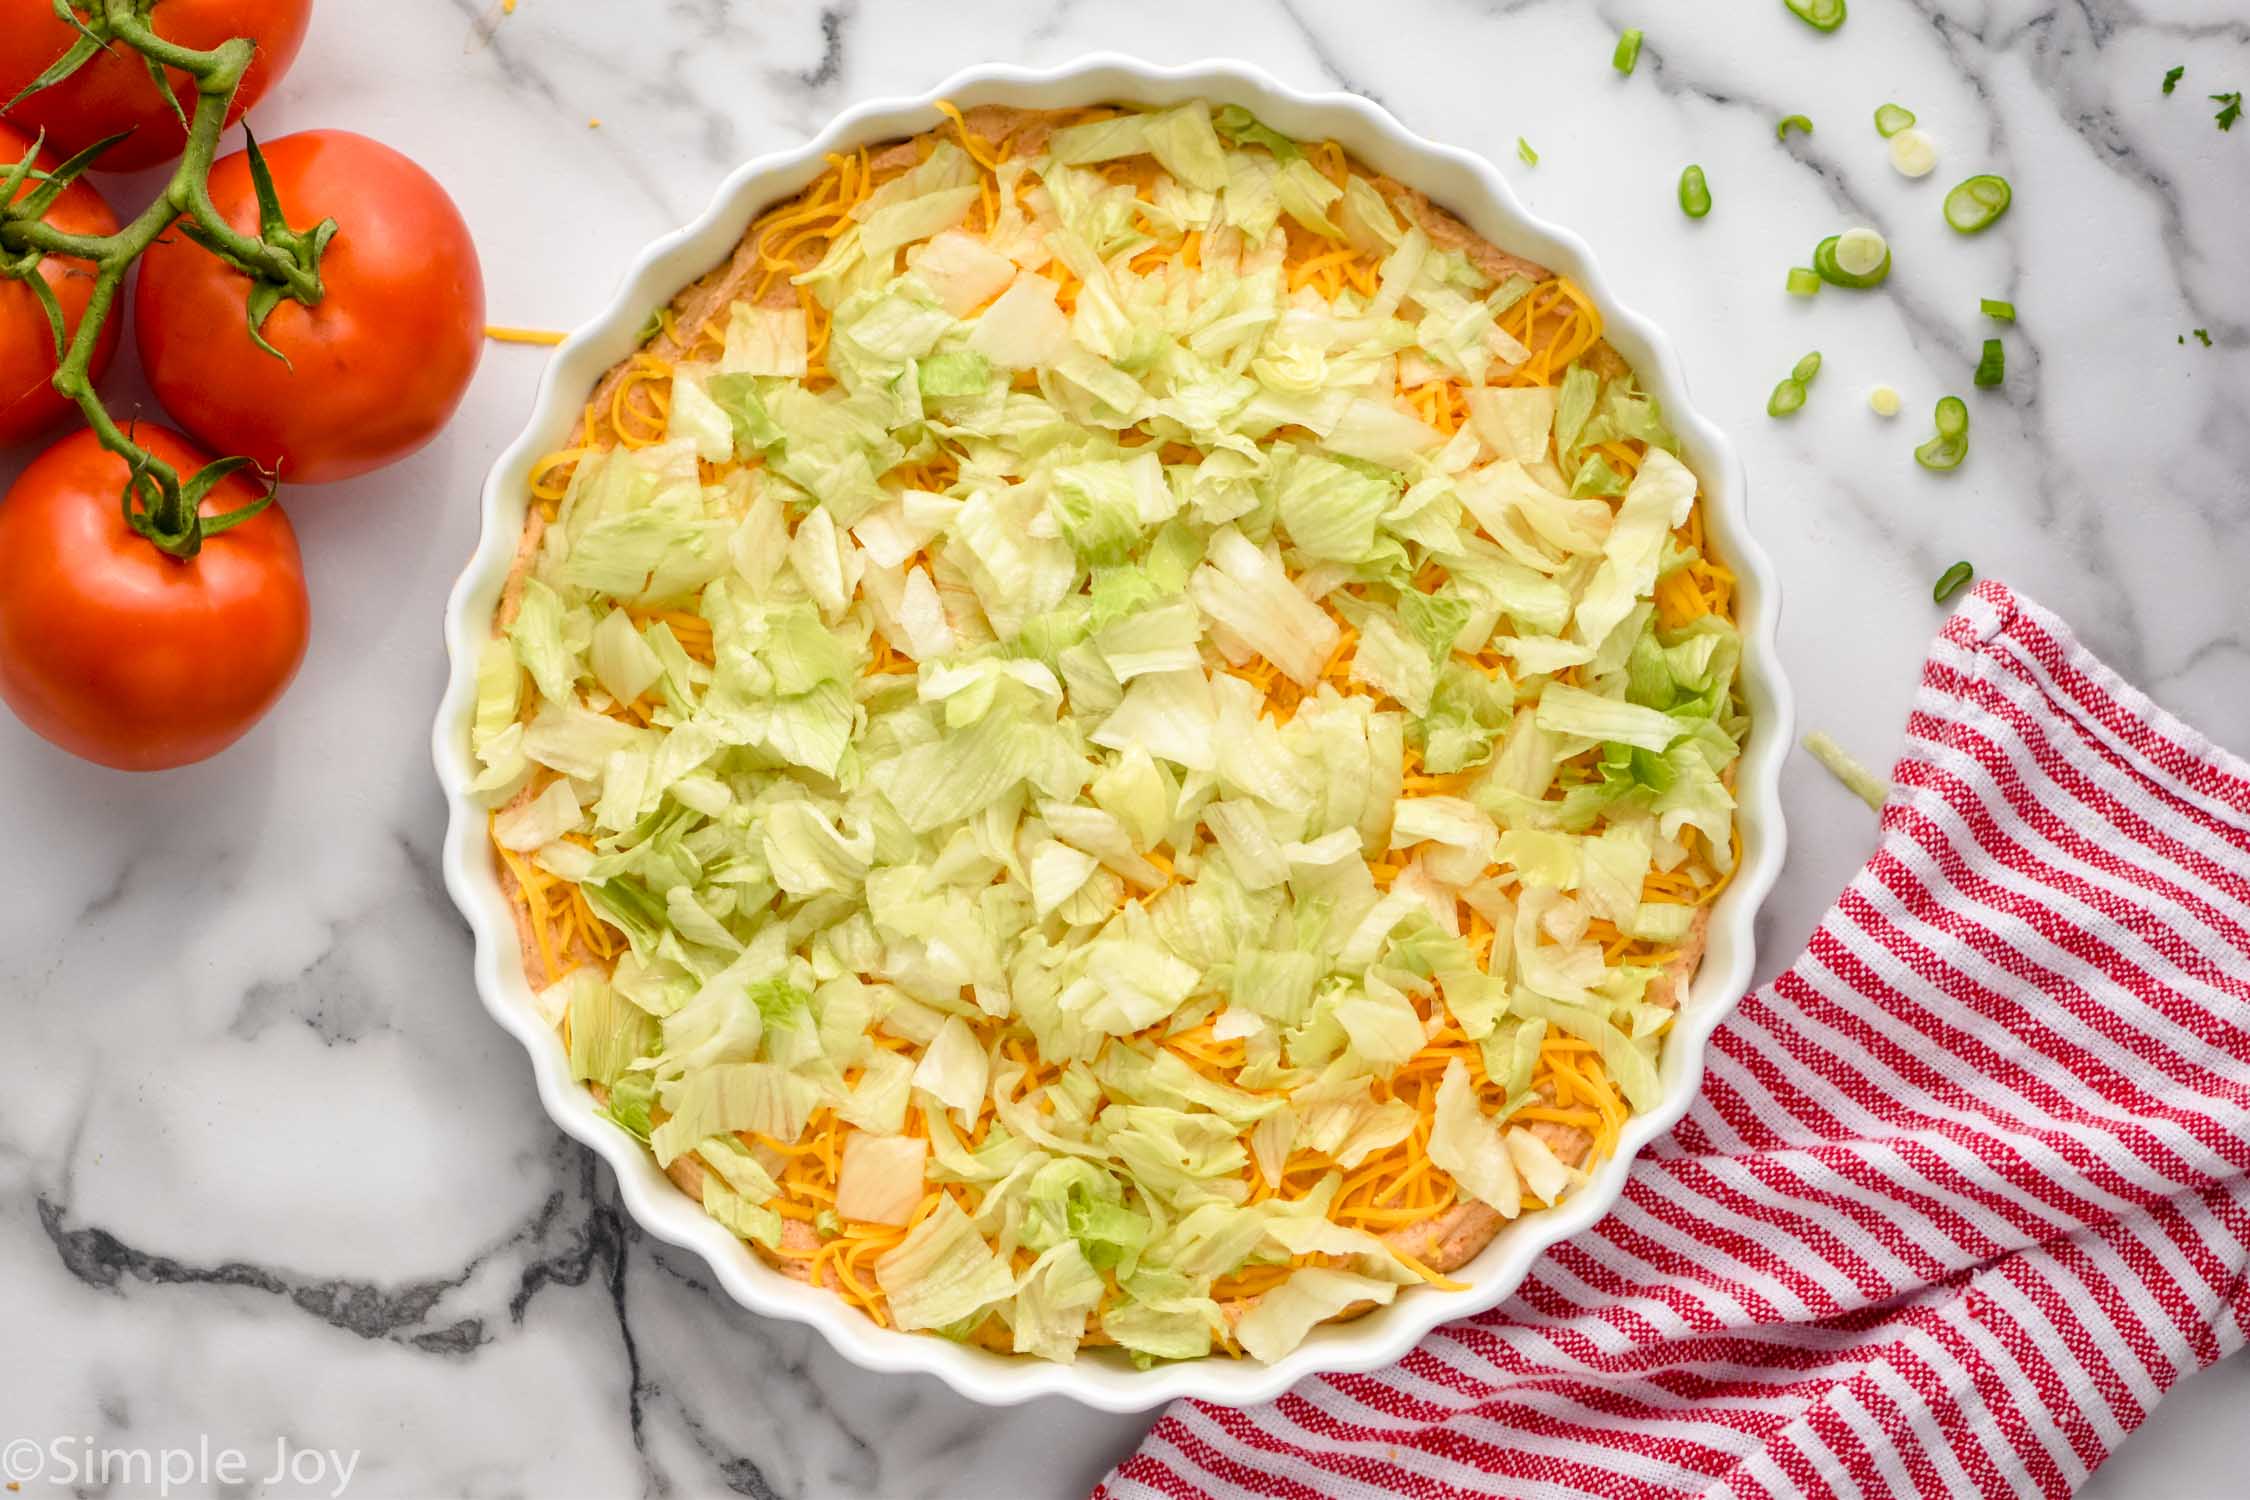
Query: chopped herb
[1951,445]
[1628,52]
[1951,581]
[1992,368]
[1976,204]
[1890,119]
[2172,77]
[1695,193]
[1523,149]
[2203,335]
[1856,258]
[2230,109]
[1820,15]
[1863,783]
[1790,394]
[1789,123]
[1803,281]
[1995,309]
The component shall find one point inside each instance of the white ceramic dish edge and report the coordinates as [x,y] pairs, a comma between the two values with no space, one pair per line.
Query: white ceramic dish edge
[1471,188]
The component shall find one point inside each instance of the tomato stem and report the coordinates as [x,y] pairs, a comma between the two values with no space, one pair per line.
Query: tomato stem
[283,262]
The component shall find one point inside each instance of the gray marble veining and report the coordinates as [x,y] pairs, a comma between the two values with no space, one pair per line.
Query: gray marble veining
[267,1173]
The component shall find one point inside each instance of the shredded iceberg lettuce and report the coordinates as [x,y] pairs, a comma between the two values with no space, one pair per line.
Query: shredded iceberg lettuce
[1089,745]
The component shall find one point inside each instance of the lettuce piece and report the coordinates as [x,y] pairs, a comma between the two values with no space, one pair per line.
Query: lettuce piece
[961,271]
[1564,709]
[954,1069]
[1165,639]
[897,225]
[607,1032]
[1170,715]
[536,633]
[767,341]
[1185,144]
[1466,1145]
[1243,128]
[1073,1201]
[1382,1023]
[1304,195]
[542,820]
[697,420]
[1250,594]
[1329,509]
[1293,1309]
[880,1178]
[759,1097]
[1514,421]
[741,1217]
[623,662]
[1387,660]
[1023,328]
[1056,1293]
[943,1273]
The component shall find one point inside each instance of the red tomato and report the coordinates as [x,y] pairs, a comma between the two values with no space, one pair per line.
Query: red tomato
[114,92]
[374,370]
[27,340]
[121,654]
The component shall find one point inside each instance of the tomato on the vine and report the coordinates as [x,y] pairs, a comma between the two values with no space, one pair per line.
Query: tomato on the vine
[121,654]
[113,91]
[28,402]
[374,369]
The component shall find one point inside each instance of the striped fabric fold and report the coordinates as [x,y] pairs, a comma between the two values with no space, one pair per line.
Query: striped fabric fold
[1966,1190]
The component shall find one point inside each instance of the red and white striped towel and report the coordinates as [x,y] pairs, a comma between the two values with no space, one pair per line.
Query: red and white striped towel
[1965,1192]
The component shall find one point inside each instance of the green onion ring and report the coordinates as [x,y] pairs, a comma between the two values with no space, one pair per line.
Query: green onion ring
[1992,366]
[1695,193]
[1977,204]
[1951,445]
[1890,119]
[1952,580]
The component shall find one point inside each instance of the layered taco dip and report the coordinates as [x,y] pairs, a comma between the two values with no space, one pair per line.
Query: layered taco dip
[1118,733]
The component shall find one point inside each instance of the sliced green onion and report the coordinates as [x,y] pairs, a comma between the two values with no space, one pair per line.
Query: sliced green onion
[1884,400]
[2172,77]
[2203,336]
[1890,119]
[1975,205]
[1628,52]
[1855,258]
[1695,193]
[1523,149]
[1803,281]
[1951,445]
[1820,15]
[2230,109]
[1913,154]
[1951,581]
[1789,123]
[1863,783]
[1790,394]
[1992,367]
[1995,309]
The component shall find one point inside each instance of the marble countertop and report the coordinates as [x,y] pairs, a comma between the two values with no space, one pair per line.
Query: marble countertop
[267,1172]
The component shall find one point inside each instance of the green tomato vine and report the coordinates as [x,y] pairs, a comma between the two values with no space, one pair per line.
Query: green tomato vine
[282,262]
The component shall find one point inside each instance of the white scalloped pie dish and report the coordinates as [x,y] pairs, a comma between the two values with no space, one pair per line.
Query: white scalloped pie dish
[1473,190]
